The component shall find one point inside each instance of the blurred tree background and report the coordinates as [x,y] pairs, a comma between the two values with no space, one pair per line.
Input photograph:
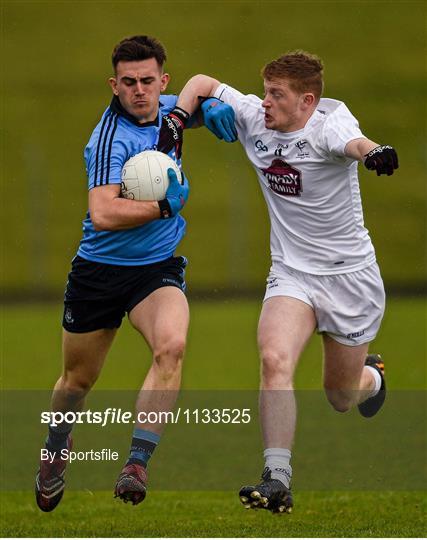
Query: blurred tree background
[55,64]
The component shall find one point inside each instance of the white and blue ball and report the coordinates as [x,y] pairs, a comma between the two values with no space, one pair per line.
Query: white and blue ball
[145,176]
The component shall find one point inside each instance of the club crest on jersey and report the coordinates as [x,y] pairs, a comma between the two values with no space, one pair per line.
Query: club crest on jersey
[283,179]
[69,316]
[302,153]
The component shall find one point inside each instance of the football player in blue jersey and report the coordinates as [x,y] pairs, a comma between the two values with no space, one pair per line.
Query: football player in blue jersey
[125,264]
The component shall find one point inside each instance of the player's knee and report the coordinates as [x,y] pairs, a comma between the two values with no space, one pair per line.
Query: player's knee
[339,400]
[168,356]
[76,388]
[276,366]
[171,348]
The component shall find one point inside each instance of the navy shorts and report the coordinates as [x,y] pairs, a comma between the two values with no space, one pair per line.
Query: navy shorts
[99,295]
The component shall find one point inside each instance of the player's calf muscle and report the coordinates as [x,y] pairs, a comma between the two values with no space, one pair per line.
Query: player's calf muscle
[341,400]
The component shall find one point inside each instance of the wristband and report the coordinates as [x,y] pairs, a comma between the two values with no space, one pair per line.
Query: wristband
[378,150]
[165,209]
[181,115]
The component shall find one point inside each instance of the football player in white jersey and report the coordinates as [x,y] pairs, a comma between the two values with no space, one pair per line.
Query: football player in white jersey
[305,150]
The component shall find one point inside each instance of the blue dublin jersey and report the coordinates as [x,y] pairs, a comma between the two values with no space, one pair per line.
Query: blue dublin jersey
[116,138]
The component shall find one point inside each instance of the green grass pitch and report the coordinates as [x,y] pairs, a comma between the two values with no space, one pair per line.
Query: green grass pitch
[213,361]
[218,514]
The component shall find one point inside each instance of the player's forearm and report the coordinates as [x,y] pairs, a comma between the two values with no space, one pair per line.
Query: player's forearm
[358,148]
[121,214]
[197,86]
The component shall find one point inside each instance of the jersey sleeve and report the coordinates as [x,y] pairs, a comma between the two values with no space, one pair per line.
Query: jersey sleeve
[167,103]
[105,154]
[340,128]
[246,107]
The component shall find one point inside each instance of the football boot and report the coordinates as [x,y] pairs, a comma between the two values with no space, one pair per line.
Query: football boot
[270,494]
[131,484]
[372,405]
[50,481]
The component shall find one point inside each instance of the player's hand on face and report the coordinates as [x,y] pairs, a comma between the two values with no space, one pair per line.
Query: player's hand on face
[382,159]
[219,118]
[171,136]
[176,194]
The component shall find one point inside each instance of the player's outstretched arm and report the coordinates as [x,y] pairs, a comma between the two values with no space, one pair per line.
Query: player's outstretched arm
[217,116]
[380,158]
[198,86]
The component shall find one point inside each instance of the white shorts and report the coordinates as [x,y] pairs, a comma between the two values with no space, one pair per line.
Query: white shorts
[348,307]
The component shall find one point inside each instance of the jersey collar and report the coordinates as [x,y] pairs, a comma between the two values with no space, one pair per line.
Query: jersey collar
[118,108]
[289,134]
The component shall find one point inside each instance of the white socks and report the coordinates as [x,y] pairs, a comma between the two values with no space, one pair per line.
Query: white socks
[277,460]
[377,379]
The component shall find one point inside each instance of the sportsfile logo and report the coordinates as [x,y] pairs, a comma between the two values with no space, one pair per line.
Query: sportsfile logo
[283,179]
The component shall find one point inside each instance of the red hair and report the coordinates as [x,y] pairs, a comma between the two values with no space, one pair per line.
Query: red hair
[303,70]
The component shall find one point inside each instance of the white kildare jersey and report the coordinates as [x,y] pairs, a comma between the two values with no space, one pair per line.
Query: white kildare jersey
[310,186]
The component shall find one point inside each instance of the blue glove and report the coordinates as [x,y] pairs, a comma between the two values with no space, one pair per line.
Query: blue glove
[176,196]
[219,118]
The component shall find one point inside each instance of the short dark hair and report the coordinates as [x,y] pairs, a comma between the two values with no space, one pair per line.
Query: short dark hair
[303,70]
[138,48]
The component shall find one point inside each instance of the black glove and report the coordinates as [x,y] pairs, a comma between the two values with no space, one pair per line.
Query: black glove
[382,159]
[171,132]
